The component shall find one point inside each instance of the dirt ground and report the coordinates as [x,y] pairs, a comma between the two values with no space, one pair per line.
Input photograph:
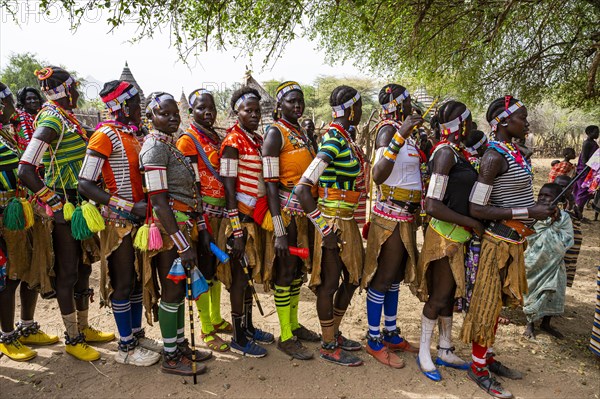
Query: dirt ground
[553,368]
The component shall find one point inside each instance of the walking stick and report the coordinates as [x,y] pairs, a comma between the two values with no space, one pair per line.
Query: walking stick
[188,280]
[244,264]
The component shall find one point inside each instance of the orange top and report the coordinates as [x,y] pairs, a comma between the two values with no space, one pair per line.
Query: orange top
[296,153]
[121,171]
[209,185]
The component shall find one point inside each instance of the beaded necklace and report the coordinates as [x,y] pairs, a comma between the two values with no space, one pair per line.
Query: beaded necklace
[254,139]
[458,149]
[70,119]
[205,135]
[25,122]
[298,134]
[513,151]
[354,153]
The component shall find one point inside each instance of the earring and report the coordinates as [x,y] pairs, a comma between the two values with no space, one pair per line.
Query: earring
[464,130]
[351,117]
[504,124]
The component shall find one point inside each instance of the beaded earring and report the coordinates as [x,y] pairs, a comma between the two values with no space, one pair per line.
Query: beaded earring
[351,116]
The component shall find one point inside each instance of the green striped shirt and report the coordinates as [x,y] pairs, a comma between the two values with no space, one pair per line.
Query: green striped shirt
[9,162]
[65,167]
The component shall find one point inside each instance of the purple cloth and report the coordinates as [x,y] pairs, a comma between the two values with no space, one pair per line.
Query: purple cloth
[581,194]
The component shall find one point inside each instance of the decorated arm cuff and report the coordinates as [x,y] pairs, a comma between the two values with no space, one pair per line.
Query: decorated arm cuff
[156,179]
[234,220]
[34,152]
[320,223]
[271,169]
[279,226]
[229,167]
[180,242]
[202,222]
[520,213]
[480,194]
[120,204]
[315,170]
[437,186]
[50,198]
[91,168]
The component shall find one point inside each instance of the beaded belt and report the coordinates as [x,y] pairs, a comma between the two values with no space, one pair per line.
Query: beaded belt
[336,194]
[338,213]
[399,194]
[392,212]
[5,197]
[451,231]
[289,203]
[213,210]
[503,232]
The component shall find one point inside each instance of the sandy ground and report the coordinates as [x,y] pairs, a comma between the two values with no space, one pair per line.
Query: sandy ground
[553,368]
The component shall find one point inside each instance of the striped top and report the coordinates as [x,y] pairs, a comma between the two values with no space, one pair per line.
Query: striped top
[68,147]
[344,167]
[9,162]
[121,171]
[250,182]
[22,122]
[513,188]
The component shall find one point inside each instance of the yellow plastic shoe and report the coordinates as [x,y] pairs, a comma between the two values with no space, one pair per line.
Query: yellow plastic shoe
[93,335]
[79,349]
[32,335]
[11,347]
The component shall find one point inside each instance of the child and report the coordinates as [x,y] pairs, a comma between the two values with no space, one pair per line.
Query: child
[565,167]
[553,163]
[545,266]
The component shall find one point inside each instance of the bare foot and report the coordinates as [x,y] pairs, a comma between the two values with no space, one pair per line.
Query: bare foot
[549,329]
[529,331]
[503,320]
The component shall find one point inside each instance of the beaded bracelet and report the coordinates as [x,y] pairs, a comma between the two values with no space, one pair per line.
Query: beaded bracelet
[180,242]
[120,204]
[201,221]
[279,226]
[236,225]
[391,152]
[319,221]
[520,213]
[45,194]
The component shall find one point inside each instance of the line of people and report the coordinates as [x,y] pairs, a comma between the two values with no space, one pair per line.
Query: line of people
[141,203]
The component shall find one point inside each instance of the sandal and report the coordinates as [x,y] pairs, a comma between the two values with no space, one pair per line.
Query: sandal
[223,327]
[216,344]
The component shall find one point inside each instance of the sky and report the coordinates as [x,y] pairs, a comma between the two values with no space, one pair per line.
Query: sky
[94,52]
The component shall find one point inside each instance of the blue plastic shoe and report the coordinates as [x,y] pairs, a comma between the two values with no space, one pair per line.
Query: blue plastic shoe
[433,375]
[439,362]
[261,336]
[252,349]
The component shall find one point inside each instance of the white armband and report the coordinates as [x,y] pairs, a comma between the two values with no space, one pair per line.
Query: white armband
[520,213]
[270,168]
[480,194]
[34,152]
[229,167]
[196,171]
[437,186]
[315,170]
[156,179]
[91,168]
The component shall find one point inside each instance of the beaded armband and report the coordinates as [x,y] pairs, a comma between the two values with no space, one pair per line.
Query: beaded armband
[236,225]
[520,213]
[180,242]
[391,152]
[201,221]
[91,168]
[319,221]
[279,226]
[156,179]
[271,169]
[34,152]
[120,204]
[50,198]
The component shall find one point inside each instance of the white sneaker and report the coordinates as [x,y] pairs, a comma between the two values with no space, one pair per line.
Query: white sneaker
[137,357]
[151,344]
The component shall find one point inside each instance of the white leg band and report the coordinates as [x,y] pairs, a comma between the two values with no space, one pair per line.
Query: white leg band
[91,168]
[34,152]
[271,168]
[229,167]
[156,179]
[315,170]
[480,194]
[437,186]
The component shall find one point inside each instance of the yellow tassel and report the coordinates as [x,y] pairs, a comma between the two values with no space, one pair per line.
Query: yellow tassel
[141,238]
[68,209]
[267,222]
[92,217]
[27,213]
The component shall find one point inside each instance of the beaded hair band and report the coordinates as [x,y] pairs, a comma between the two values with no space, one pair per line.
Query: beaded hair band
[5,93]
[286,89]
[124,94]
[60,91]
[454,124]
[338,110]
[393,105]
[156,100]
[243,98]
[194,96]
[505,114]
[478,145]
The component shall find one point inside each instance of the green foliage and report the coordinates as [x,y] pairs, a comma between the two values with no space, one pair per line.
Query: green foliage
[18,72]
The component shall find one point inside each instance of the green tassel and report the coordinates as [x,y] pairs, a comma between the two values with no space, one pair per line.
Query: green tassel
[141,238]
[14,218]
[68,209]
[79,227]
[92,216]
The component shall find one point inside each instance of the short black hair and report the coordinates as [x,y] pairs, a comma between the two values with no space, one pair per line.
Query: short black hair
[341,94]
[475,136]
[240,92]
[566,179]
[22,93]
[556,189]
[568,151]
[591,129]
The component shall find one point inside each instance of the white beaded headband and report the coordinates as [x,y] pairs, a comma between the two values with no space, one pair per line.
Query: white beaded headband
[338,110]
[505,114]
[287,89]
[60,91]
[243,98]
[115,105]
[393,105]
[454,124]
[157,100]
[194,96]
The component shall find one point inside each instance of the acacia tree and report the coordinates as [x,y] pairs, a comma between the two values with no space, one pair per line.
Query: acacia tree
[474,49]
